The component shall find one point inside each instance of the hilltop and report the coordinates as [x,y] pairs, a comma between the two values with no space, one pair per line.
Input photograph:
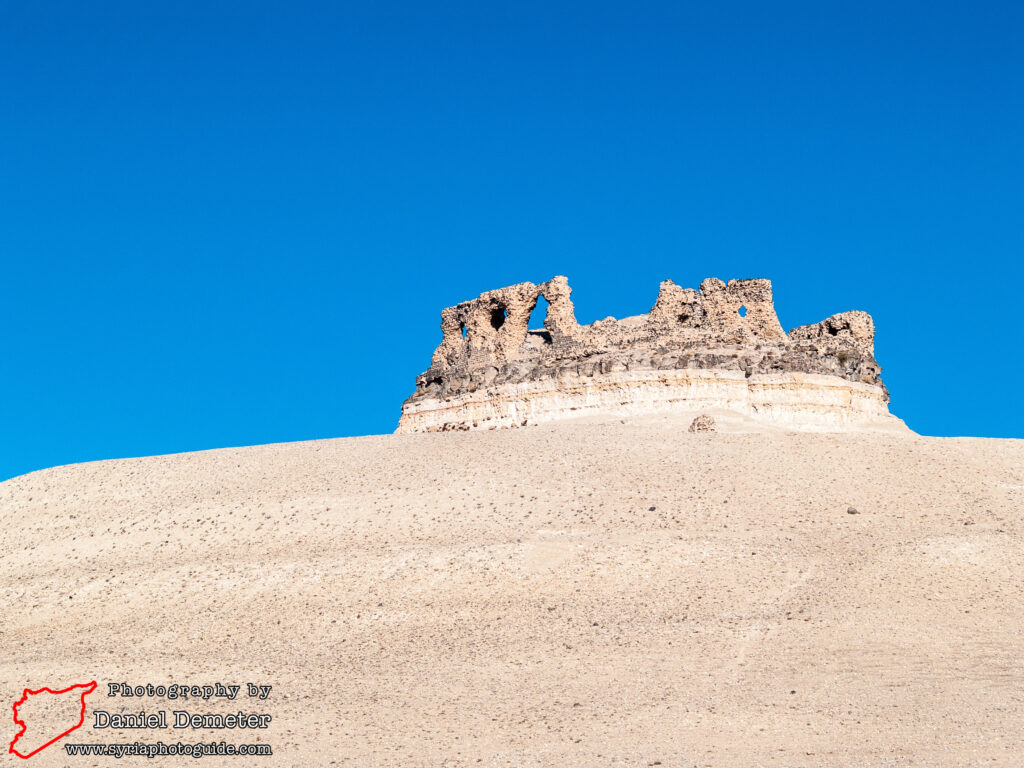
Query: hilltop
[719,347]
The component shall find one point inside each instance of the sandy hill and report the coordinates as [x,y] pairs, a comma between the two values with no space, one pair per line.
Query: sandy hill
[570,594]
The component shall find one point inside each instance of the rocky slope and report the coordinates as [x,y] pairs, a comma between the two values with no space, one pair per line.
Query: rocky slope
[587,594]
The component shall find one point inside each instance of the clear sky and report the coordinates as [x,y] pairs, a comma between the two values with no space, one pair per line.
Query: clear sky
[236,223]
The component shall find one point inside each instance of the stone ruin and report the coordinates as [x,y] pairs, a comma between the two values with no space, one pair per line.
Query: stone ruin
[717,347]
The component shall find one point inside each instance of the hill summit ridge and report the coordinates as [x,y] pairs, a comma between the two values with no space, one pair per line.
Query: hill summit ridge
[717,347]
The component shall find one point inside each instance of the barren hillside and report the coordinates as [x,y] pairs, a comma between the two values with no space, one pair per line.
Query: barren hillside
[571,594]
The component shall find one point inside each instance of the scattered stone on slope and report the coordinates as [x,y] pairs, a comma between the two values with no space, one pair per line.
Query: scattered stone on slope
[703,423]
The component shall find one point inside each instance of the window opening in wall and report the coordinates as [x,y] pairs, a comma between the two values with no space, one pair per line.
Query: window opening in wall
[498,316]
[537,318]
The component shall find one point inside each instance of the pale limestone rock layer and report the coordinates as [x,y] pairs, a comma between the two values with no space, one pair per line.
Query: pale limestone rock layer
[720,348]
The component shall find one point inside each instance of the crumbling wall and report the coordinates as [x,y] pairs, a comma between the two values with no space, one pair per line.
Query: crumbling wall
[733,311]
[740,307]
[677,307]
[854,328]
[561,318]
[721,341]
[491,326]
[728,326]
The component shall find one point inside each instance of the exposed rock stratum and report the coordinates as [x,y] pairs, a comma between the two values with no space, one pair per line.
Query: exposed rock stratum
[717,348]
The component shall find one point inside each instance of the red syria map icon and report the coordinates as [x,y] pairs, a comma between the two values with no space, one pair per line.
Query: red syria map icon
[84,690]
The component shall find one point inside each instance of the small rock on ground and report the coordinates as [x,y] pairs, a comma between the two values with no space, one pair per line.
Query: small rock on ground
[703,423]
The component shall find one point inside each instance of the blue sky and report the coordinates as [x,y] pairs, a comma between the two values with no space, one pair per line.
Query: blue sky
[236,223]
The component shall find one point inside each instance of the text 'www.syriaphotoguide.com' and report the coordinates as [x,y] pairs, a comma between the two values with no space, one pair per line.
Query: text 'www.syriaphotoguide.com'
[160,749]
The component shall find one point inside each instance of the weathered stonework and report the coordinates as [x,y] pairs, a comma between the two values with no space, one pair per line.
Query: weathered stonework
[718,347]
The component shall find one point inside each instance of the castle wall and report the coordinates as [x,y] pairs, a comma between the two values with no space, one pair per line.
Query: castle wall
[717,347]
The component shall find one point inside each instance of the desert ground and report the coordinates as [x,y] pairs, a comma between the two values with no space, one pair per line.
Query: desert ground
[579,594]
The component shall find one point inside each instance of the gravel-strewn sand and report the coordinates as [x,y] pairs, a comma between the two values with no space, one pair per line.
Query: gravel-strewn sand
[573,594]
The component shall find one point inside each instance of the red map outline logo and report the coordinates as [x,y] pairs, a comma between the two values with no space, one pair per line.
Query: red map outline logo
[88,688]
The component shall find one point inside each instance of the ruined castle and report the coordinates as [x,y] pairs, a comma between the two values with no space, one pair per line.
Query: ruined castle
[720,348]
